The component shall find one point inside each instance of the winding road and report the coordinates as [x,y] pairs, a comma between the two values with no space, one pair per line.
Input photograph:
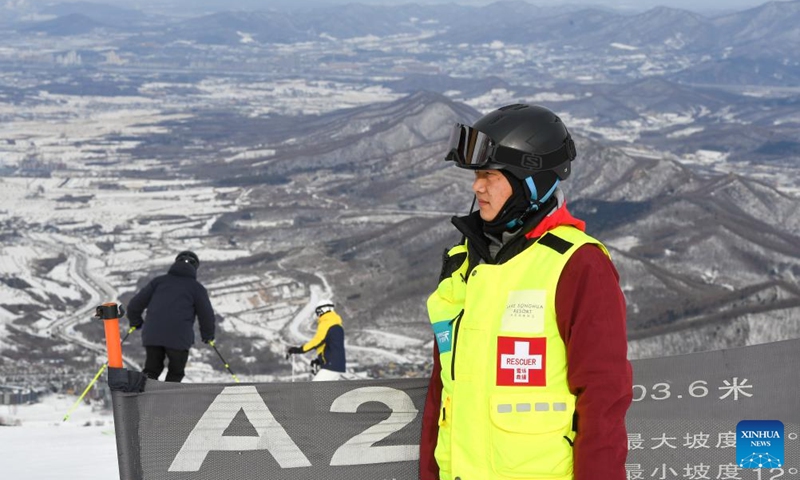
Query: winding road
[98,289]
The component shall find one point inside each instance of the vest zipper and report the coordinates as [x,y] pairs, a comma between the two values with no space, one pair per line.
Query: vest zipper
[457,321]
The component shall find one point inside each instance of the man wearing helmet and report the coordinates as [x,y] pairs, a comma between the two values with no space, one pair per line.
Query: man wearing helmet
[530,378]
[329,343]
[172,302]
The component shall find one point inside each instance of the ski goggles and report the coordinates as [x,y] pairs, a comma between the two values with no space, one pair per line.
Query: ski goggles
[473,149]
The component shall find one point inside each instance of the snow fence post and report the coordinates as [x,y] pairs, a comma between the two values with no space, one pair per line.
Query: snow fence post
[110,313]
[124,386]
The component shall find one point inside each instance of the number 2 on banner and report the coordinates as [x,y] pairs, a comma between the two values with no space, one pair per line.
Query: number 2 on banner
[359,450]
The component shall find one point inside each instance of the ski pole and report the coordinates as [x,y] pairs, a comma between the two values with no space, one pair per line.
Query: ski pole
[99,372]
[227,367]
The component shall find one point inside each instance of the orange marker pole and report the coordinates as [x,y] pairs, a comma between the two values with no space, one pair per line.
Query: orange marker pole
[110,314]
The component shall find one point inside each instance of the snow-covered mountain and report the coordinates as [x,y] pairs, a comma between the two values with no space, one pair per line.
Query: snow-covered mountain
[299,151]
[356,203]
[773,24]
[376,197]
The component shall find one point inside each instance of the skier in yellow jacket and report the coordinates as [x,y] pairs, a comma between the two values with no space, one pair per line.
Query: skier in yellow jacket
[328,342]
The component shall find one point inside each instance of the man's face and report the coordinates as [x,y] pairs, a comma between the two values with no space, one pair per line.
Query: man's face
[492,190]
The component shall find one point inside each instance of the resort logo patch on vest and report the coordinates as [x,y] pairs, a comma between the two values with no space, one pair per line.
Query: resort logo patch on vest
[524,311]
[521,361]
[442,332]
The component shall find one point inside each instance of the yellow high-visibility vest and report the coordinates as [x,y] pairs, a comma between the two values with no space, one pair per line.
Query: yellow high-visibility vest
[506,410]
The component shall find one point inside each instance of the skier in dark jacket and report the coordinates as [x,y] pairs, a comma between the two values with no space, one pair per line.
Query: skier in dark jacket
[172,302]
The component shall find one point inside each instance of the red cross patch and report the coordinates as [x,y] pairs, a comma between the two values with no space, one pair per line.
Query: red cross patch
[521,362]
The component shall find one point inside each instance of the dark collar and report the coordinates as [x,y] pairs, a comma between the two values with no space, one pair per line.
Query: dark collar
[183,269]
[471,226]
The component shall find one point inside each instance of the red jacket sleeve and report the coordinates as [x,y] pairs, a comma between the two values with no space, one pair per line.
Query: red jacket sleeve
[590,308]
[428,469]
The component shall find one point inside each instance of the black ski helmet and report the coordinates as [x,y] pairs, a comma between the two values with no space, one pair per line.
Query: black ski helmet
[523,140]
[529,144]
[188,257]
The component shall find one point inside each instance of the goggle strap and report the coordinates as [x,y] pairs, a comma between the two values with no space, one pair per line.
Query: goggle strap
[528,161]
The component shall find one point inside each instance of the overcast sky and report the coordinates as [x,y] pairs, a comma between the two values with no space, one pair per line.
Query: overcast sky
[636,5]
[696,5]
[627,4]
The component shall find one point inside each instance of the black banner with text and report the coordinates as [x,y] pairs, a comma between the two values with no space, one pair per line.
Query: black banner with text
[682,424]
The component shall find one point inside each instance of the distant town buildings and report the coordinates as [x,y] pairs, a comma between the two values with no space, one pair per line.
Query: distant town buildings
[113,59]
[69,58]
[17,395]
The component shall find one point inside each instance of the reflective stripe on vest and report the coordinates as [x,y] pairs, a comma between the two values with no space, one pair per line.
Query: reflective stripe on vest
[506,408]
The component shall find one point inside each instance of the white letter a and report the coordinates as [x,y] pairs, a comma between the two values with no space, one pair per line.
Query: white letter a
[207,435]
